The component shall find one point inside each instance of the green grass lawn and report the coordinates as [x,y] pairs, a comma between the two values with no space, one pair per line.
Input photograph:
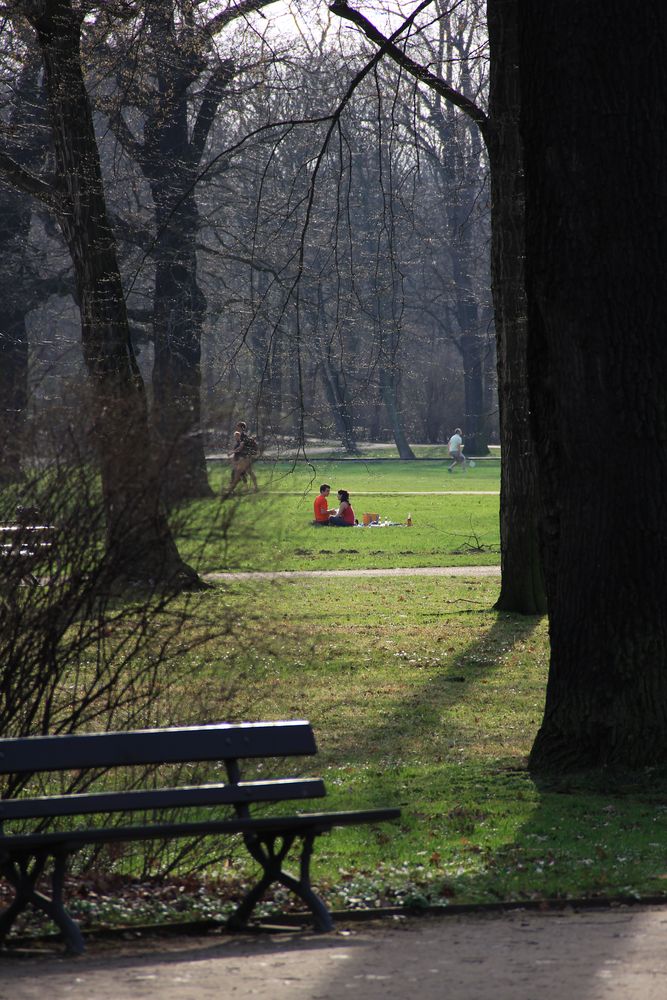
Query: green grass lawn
[421,696]
[273,529]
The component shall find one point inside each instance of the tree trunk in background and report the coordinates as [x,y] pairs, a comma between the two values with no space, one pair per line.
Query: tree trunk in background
[472,355]
[15,214]
[522,586]
[389,393]
[15,274]
[594,93]
[174,138]
[178,315]
[334,378]
[522,583]
[337,396]
[139,540]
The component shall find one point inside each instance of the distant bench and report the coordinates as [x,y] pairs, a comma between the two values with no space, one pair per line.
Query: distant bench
[24,855]
[23,547]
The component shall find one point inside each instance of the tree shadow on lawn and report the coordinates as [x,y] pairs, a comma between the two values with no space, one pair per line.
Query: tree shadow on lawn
[487,830]
[430,726]
[590,839]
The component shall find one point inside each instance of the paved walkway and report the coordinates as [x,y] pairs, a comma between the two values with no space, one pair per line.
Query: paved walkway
[591,955]
[396,571]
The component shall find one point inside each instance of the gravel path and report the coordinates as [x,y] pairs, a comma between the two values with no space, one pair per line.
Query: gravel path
[400,571]
[589,955]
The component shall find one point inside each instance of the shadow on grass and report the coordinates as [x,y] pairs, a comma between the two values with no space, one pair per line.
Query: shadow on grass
[477,827]
[431,726]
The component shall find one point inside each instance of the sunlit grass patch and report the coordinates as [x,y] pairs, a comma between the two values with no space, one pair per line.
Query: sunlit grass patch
[422,696]
[273,530]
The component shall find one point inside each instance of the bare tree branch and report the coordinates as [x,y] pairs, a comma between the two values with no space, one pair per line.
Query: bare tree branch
[28,182]
[241,9]
[212,96]
[421,73]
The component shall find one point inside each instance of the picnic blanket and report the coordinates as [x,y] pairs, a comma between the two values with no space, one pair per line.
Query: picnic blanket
[382,524]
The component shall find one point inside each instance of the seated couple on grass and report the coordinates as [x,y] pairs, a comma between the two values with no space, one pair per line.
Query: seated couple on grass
[343,517]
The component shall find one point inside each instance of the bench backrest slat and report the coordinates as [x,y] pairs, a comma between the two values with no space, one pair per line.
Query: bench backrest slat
[221,741]
[281,790]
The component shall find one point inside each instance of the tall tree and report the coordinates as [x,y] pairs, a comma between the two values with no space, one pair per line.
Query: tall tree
[596,242]
[137,528]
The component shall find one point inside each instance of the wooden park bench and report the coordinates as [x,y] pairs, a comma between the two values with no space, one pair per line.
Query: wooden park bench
[268,838]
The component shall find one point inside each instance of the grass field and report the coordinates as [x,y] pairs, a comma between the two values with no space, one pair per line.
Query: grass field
[273,529]
[424,697]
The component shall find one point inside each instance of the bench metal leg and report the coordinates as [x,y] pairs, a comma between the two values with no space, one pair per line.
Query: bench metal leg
[23,879]
[271,857]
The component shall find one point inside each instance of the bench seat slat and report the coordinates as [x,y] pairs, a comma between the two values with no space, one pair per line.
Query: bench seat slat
[162,798]
[221,741]
[15,846]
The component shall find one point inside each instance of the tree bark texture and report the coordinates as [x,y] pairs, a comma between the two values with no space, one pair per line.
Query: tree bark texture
[139,541]
[334,379]
[174,140]
[178,315]
[522,584]
[389,392]
[15,215]
[594,93]
[15,275]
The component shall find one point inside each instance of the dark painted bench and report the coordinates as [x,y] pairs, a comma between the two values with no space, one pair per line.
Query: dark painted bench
[24,548]
[268,838]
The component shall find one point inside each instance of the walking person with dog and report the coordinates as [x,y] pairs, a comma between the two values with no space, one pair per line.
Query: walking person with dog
[244,453]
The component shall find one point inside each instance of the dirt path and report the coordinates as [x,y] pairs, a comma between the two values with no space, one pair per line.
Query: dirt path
[591,955]
[400,571]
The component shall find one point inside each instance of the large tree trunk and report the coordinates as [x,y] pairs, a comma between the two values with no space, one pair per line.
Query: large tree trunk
[594,90]
[178,313]
[173,142]
[522,585]
[138,537]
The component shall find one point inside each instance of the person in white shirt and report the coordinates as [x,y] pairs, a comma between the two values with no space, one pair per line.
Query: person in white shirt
[455,446]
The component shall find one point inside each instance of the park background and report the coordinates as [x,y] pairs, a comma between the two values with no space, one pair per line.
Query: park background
[290,231]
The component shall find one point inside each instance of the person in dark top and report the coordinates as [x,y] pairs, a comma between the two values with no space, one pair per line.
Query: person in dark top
[344,516]
[242,455]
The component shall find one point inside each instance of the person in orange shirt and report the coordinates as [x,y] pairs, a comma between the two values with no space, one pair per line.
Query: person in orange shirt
[321,506]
